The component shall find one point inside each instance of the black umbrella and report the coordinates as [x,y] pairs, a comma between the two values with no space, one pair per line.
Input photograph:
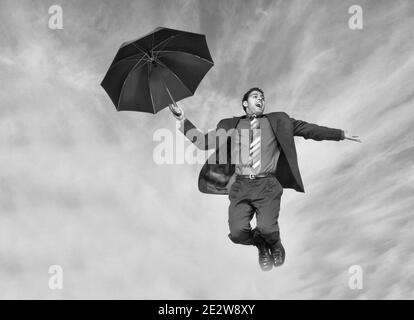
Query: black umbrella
[155,71]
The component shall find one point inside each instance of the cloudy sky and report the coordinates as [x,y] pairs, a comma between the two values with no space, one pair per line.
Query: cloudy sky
[79,187]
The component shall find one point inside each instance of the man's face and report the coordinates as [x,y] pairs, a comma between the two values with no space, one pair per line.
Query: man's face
[255,103]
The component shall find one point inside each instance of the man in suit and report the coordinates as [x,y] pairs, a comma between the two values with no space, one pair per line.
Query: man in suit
[255,159]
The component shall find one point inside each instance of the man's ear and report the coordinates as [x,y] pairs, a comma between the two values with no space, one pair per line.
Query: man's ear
[245,104]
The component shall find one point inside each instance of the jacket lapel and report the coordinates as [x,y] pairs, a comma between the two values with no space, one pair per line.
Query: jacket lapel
[274,120]
[234,122]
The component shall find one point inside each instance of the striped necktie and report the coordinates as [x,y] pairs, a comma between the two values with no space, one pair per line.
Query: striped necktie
[255,152]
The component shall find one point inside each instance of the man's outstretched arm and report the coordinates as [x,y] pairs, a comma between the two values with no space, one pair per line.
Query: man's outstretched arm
[319,133]
[203,141]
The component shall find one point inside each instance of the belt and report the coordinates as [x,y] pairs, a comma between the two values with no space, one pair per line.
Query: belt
[255,176]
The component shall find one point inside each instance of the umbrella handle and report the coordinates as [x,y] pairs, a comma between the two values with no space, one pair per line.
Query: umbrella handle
[179,115]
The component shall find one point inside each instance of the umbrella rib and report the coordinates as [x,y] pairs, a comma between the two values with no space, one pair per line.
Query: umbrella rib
[165,40]
[129,73]
[162,44]
[140,49]
[124,60]
[149,88]
[152,46]
[187,53]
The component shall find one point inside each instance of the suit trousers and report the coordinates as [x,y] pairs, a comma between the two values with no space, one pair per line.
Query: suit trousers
[247,197]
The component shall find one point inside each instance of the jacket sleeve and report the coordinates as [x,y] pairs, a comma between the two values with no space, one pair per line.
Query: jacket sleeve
[315,132]
[203,141]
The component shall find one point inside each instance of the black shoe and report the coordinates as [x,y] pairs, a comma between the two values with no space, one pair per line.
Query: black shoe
[265,259]
[278,253]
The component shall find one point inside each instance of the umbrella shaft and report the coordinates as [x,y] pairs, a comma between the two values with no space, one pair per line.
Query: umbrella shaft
[171,106]
[171,97]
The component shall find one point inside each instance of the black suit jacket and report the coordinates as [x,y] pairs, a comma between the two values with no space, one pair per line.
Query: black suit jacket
[216,177]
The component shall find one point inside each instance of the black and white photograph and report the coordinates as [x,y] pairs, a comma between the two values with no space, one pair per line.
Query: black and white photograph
[194,150]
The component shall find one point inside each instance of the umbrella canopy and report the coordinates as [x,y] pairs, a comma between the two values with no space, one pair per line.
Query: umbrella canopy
[152,72]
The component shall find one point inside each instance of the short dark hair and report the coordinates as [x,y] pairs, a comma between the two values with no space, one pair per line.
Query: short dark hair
[246,95]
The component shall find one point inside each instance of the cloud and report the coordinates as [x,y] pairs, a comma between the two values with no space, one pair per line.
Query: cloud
[79,187]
